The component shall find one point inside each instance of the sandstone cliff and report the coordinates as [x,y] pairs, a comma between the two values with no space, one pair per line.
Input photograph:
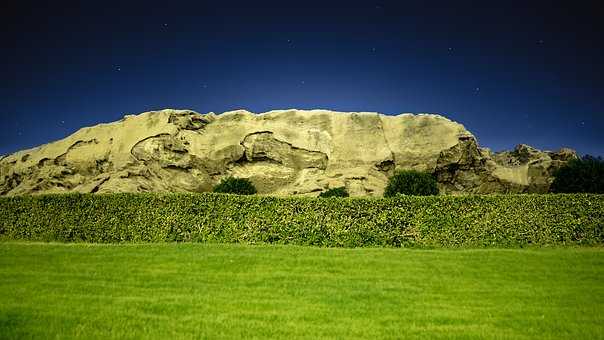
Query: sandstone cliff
[284,152]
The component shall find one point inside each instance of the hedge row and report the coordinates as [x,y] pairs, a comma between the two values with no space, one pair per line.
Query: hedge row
[431,221]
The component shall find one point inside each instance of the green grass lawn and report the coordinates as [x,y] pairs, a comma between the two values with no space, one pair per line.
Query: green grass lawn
[238,291]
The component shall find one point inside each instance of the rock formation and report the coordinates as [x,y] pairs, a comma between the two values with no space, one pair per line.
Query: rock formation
[284,152]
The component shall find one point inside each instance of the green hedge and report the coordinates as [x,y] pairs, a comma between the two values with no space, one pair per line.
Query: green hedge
[431,221]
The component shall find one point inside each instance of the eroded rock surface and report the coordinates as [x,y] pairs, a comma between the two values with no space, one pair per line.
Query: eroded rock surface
[284,152]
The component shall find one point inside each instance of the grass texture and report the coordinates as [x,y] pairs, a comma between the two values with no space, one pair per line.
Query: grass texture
[231,291]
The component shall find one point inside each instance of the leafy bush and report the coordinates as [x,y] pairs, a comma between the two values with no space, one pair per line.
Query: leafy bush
[418,221]
[233,185]
[335,192]
[411,182]
[580,175]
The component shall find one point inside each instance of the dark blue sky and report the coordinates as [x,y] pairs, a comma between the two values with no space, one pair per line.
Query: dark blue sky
[511,72]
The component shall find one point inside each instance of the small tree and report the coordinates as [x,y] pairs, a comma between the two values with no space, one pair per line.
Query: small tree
[335,192]
[233,185]
[411,182]
[580,175]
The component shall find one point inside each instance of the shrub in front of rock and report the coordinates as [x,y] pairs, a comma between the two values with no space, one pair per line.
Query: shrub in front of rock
[411,182]
[335,192]
[234,185]
[580,175]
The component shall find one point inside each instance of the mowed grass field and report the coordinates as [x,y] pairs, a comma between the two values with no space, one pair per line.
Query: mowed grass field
[50,290]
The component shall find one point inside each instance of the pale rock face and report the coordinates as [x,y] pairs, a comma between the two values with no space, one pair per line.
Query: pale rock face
[283,152]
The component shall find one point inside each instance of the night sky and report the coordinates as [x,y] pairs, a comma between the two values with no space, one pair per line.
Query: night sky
[511,72]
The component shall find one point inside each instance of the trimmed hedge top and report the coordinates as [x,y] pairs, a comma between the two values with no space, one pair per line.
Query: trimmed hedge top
[430,221]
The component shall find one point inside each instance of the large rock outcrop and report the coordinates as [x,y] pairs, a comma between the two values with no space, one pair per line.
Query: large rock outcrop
[284,152]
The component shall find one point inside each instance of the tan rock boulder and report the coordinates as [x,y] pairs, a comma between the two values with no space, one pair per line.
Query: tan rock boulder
[466,168]
[283,152]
